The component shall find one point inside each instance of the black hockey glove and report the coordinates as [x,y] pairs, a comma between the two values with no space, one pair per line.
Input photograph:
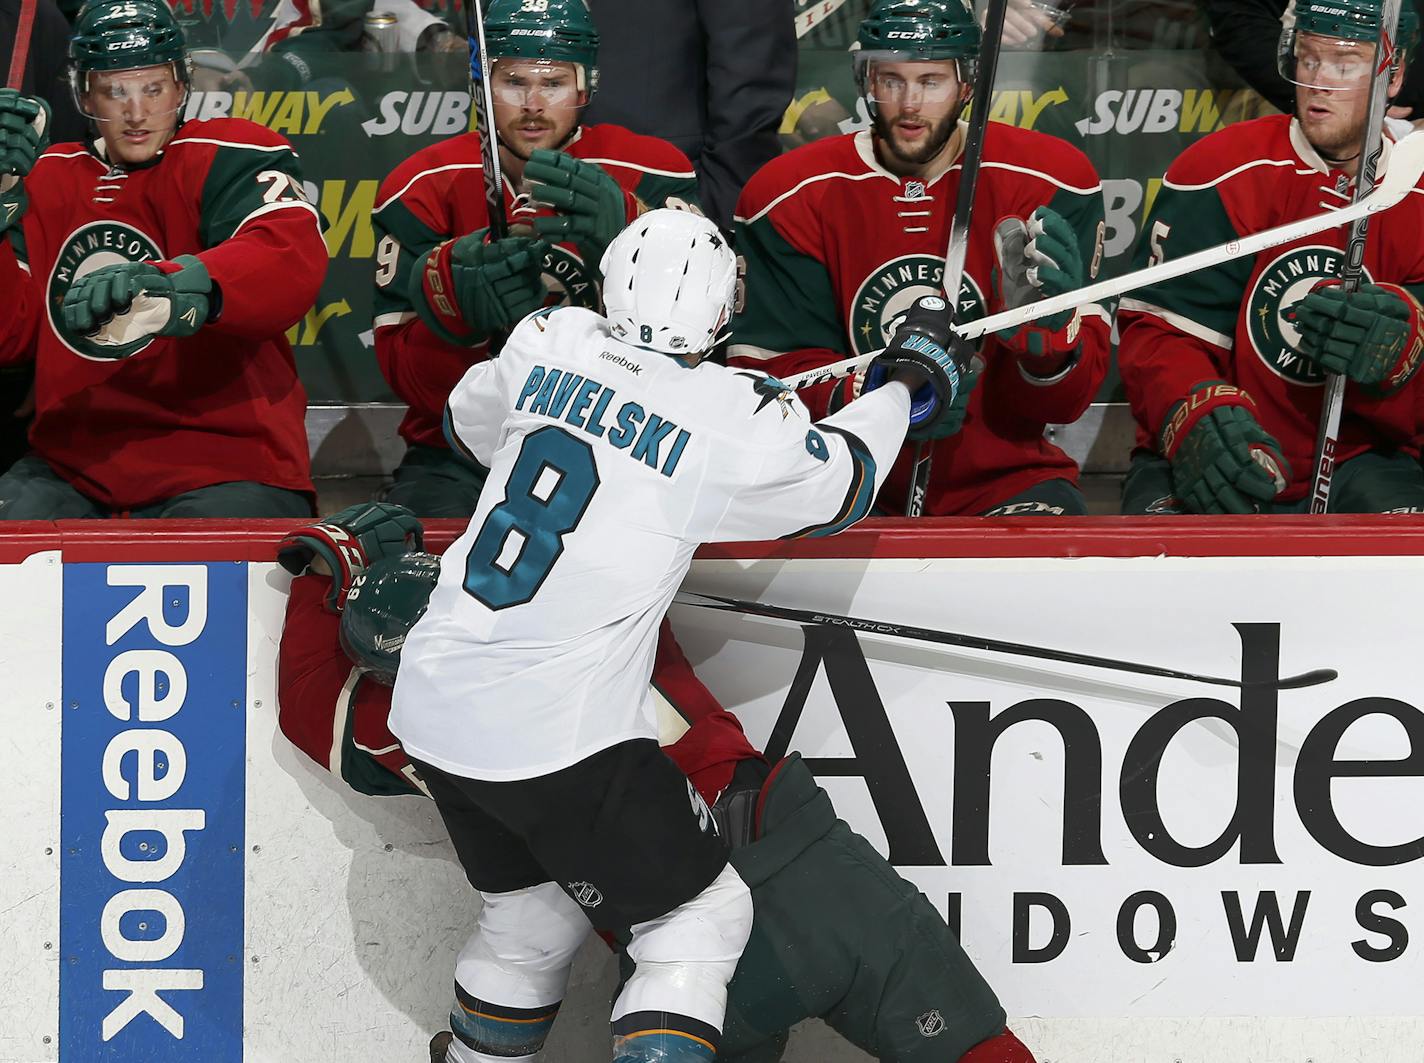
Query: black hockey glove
[922,344]
[349,542]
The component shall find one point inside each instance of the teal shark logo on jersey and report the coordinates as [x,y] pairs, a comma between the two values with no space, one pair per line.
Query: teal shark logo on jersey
[771,390]
[91,247]
[569,281]
[889,289]
[1277,288]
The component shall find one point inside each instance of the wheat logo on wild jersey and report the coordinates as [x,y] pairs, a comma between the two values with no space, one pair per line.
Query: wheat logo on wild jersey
[889,289]
[1277,288]
[91,247]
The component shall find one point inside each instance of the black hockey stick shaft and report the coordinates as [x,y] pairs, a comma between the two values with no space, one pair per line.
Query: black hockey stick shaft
[978,642]
[958,247]
[1333,403]
[482,100]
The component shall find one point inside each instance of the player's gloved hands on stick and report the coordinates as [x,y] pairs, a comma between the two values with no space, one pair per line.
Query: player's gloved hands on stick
[1372,336]
[1223,461]
[24,125]
[921,345]
[121,307]
[590,205]
[1036,260]
[470,286]
[349,542]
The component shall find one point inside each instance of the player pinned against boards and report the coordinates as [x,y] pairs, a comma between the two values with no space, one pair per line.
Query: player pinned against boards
[836,933]
[137,273]
[1224,368]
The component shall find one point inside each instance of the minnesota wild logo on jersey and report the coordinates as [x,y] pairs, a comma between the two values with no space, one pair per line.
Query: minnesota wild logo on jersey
[91,247]
[889,289]
[569,280]
[1278,287]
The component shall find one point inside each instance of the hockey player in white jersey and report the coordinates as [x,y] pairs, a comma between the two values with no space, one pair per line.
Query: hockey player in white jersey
[614,451]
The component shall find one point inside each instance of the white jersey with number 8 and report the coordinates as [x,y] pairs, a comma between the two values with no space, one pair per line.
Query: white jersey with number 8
[609,464]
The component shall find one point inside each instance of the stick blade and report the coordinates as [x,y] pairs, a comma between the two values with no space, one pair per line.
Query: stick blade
[1406,166]
[1307,679]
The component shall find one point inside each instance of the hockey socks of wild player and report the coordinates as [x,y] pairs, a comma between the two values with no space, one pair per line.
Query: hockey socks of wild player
[1223,461]
[1006,1048]
[1372,336]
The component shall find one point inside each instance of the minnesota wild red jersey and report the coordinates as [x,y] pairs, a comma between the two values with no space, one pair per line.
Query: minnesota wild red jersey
[835,248]
[1232,322]
[438,193]
[222,405]
[339,719]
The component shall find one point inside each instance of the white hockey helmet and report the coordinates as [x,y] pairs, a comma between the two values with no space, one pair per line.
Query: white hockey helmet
[669,279]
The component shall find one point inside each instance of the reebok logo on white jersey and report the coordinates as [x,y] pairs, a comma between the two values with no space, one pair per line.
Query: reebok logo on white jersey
[622,362]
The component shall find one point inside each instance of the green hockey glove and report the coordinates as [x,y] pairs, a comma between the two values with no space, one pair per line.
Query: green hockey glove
[1037,260]
[24,124]
[122,307]
[590,205]
[24,131]
[350,542]
[1223,461]
[1371,336]
[467,288]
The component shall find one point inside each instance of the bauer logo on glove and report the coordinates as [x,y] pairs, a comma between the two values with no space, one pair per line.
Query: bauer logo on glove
[349,542]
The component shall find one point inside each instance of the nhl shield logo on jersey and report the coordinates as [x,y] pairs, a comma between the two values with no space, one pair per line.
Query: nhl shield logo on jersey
[586,893]
[889,289]
[91,247]
[1277,288]
[930,1024]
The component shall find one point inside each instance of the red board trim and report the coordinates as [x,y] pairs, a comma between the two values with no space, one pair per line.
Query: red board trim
[1293,536]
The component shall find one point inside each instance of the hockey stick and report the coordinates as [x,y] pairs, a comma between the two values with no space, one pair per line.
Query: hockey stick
[976,642]
[1406,166]
[482,99]
[1333,404]
[21,49]
[963,211]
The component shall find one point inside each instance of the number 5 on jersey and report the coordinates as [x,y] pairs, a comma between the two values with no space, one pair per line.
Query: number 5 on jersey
[549,489]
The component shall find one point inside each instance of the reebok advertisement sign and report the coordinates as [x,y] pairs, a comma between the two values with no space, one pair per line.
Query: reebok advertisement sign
[151,824]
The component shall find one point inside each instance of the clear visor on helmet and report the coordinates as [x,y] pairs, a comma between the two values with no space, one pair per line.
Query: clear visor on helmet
[536,84]
[1331,64]
[898,78]
[145,94]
